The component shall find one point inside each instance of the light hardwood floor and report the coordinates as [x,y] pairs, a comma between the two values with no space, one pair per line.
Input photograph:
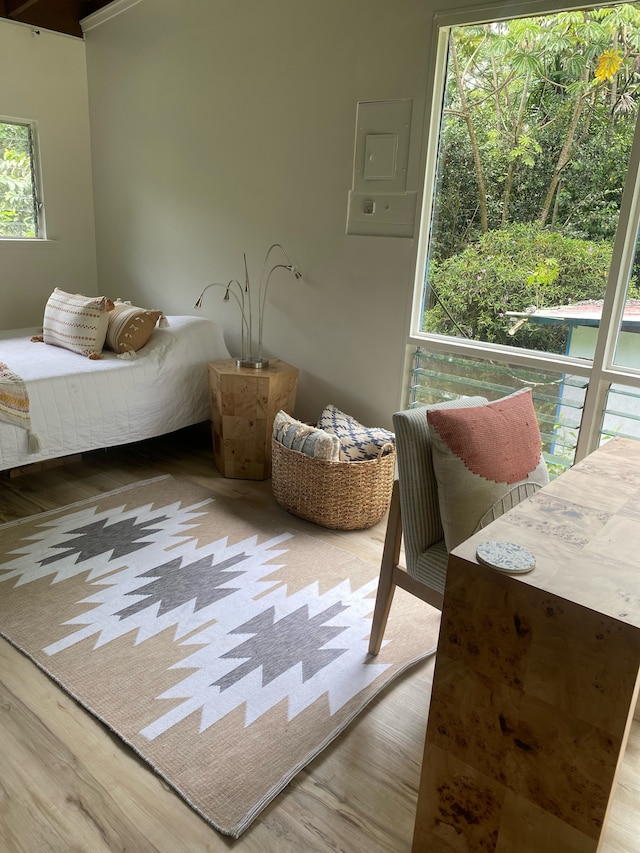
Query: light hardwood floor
[68,786]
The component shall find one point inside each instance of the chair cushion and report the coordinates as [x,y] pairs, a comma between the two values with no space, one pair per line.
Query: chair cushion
[482,456]
[357,441]
[421,524]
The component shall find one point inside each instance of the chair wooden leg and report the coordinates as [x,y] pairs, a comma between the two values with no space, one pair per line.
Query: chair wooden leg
[389,563]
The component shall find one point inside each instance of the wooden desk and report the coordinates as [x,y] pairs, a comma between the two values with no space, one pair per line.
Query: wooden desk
[536,675]
[244,403]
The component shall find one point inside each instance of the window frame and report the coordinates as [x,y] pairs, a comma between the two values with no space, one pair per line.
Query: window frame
[36,177]
[601,371]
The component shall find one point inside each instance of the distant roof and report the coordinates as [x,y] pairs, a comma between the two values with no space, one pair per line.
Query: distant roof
[585,313]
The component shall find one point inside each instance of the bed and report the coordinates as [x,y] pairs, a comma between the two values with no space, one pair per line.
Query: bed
[76,404]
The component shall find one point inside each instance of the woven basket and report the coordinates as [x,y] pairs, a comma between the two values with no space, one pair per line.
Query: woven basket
[339,495]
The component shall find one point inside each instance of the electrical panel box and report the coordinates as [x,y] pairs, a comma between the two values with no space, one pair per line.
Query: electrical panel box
[379,202]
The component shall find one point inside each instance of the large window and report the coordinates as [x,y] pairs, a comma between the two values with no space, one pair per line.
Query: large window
[528,259]
[20,203]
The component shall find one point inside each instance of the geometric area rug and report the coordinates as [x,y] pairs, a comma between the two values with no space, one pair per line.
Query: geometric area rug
[222,647]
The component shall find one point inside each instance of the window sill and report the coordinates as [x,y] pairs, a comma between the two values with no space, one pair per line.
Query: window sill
[26,241]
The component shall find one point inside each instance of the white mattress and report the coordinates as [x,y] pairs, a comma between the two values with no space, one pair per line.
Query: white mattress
[78,404]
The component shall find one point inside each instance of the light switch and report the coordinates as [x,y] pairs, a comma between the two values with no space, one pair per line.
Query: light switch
[388,215]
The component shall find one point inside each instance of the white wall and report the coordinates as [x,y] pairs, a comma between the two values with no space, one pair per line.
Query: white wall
[43,78]
[221,126]
[217,128]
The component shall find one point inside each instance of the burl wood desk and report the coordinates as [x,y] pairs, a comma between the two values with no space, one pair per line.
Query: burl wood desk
[244,403]
[536,675]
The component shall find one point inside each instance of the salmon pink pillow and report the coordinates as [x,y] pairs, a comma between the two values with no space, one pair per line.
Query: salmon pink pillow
[484,457]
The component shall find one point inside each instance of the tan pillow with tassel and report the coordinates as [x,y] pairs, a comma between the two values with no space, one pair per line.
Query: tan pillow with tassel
[130,327]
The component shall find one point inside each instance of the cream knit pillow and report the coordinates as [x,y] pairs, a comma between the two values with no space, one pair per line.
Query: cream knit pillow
[305,438]
[76,322]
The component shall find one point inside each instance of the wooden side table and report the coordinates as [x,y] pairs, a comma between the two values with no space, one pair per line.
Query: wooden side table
[244,403]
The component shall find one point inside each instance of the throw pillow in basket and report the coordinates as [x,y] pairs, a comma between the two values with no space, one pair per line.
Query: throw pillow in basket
[357,442]
[305,438]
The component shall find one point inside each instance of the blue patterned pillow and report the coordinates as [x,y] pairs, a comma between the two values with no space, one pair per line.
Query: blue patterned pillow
[357,442]
[306,439]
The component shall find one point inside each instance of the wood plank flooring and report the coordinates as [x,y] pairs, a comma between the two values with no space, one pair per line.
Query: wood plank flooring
[68,786]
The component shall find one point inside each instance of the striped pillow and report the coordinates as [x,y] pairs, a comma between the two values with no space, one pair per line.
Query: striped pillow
[76,322]
[129,327]
[305,438]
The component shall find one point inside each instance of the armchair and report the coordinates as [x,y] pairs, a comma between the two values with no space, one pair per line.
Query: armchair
[415,519]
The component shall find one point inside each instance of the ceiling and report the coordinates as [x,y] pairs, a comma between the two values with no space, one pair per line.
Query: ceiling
[62,16]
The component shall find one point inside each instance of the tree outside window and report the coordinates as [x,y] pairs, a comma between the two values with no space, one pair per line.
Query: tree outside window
[18,188]
[539,116]
[530,247]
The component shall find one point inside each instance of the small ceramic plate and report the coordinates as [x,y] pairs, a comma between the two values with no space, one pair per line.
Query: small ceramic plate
[506,556]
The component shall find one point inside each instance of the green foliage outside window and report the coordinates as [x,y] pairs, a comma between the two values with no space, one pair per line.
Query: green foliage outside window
[537,127]
[18,212]
[512,270]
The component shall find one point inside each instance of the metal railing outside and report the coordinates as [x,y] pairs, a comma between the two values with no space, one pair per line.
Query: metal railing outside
[557,397]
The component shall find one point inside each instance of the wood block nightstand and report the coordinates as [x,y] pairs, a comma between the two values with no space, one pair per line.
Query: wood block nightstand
[244,403]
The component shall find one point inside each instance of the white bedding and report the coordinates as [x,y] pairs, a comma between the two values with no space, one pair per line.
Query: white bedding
[79,404]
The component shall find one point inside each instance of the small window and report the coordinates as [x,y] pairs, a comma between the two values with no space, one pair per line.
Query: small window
[19,197]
